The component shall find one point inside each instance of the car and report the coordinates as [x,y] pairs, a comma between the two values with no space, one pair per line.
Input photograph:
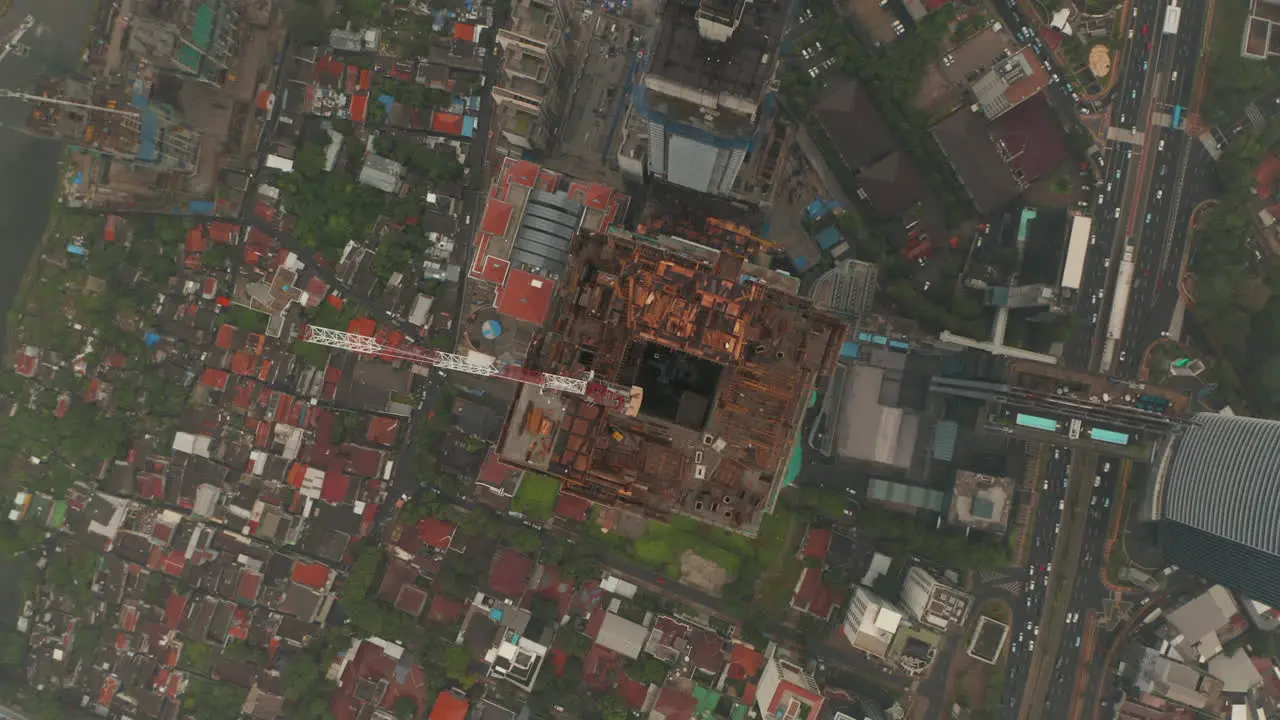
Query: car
[1159,194]
[1122,119]
[1046,486]
[1163,170]
[1035,631]
[1106,466]
[1028,602]
[1146,29]
[1117,213]
[1093,501]
[948,60]
[1019,637]
[898,28]
[1145,64]
[1161,145]
[1106,262]
[1097,481]
[1106,503]
[1029,624]
[1057,454]
[927,285]
[1048,568]
[1101,199]
[1031,646]
[1057,528]
[1061,505]
[1133,96]
[1148,217]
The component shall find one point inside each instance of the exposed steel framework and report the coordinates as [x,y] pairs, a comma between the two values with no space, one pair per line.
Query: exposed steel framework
[616,399]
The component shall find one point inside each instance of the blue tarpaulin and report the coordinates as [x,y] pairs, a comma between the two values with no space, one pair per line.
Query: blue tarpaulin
[387,101]
[828,237]
[76,249]
[152,338]
[201,207]
[468,126]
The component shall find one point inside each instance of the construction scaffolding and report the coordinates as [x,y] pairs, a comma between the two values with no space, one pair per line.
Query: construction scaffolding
[726,363]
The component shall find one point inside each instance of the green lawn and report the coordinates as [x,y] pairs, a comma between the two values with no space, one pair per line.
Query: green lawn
[536,497]
[664,543]
[770,555]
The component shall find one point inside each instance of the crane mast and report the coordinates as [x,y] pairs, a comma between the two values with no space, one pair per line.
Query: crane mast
[617,399]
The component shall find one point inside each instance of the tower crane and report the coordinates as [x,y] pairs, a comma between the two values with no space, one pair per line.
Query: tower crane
[616,398]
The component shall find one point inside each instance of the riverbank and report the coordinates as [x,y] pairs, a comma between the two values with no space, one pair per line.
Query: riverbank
[30,275]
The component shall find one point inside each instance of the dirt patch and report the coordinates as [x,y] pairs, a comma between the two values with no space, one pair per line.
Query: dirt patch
[1100,60]
[701,573]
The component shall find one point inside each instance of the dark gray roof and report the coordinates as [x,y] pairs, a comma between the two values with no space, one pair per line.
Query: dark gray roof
[985,176]
[853,123]
[1220,498]
[743,65]
[1225,479]
[547,229]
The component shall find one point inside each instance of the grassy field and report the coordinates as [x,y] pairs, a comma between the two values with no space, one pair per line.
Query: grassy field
[770,557]
[536,497]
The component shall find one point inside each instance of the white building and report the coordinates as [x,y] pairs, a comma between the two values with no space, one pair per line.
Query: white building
[786,692]
[933,603]
[871,622]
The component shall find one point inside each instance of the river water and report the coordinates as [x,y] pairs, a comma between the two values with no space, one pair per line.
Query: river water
[29,166]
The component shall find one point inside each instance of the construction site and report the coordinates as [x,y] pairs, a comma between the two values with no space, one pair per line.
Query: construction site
[722,357]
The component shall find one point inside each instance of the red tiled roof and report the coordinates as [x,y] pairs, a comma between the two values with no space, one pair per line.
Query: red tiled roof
[495,270]
[150,485]
[383,430]
[436,533]
[411,599]
[449,707]
[675,704]
[250,583]
[363,326]
[745,662]
[215,378]
[494,472]
[336,486]
[466,31]
[572,507]
[226,336]
[445,609]
[526,296]
[816,543]
[174,610]
[223,232]
[497,215]
[446,122]
[108,691]
[509,573]
[359,107]
[314,575]
[633,693]
[196,242]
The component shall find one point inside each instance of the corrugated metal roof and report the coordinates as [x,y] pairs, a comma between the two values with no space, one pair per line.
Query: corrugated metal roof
[944,440]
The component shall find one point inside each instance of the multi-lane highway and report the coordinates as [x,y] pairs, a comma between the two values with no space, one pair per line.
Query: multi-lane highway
[1112,192]
[1063,592]
[1145,168]
[1086,592]
[1174,176]
[1027,612]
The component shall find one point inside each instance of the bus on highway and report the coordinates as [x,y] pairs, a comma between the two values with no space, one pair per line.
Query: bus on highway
[1171,17]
